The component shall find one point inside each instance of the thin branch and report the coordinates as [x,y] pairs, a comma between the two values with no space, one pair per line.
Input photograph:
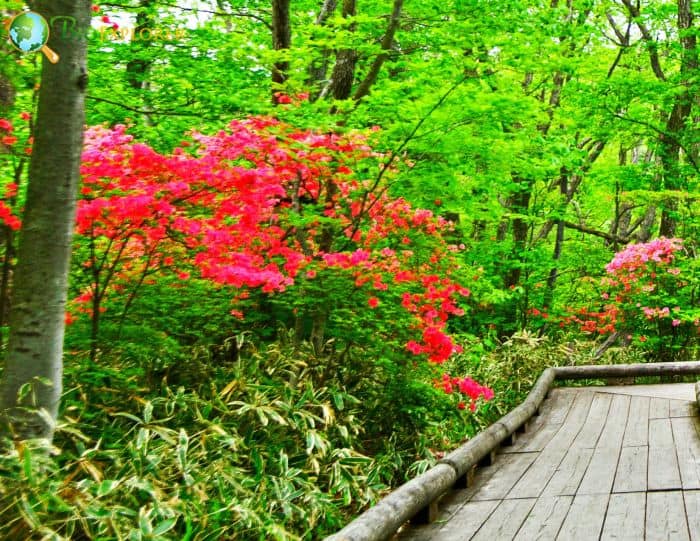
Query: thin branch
[595,232]
[646,34]
[170,112]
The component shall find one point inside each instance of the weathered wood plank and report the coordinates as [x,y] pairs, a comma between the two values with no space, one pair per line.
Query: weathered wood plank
[509,469]
[637,430]
[467,522]
[663,472]
[590,432]
[625,517]
[673,391]
[692,512]
[631,475]
[616,422]
[558,404]
[540,472]
[585,518]
[682,408]
[545,519]
[688,451]
[665,517]
[659,408]
[504,522]
[568,475]
[547,424]
[600,474]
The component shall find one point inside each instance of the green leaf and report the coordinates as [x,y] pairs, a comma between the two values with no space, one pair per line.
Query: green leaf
[165,526]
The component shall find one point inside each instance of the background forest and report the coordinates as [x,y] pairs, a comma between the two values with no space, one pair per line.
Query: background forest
[319,243]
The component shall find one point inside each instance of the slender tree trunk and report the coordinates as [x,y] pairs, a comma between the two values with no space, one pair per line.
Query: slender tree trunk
[37,314]
[6,273]
[520,205]
[366,85]
[345,60]
[281,41]
[558,246]
[319,68]
[137,68]
[670,140]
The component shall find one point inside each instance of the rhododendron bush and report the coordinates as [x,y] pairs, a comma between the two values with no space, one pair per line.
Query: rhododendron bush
[265,209]
[648,295]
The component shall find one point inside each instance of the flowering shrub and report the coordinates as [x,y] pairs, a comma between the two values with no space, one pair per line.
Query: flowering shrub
[264,208]
[649,294]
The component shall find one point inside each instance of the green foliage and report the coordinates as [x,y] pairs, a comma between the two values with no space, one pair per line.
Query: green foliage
[264,455]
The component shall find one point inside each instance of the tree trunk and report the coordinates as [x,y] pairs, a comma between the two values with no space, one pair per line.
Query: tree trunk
[558,246]
[366,85]
[670,140]
[37,314]
[319,68]
[345,60]
[281,41]
[137,68]
[520,205]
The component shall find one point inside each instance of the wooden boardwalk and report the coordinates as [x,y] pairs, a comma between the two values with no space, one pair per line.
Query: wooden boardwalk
[598,463]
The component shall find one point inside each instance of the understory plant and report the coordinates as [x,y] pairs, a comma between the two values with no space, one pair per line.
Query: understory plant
[648,297]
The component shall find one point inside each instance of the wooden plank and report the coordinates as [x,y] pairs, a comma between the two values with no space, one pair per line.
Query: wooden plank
[672,391]
[509,469]
[568,475]
[590,432]
[540,472]
[637,430]
[665,517]
[462,525]
[600,474]
[504,522]
[547,424]
[585,518]
[662,471]
[625,517]
[692,512]
[545,519]
[659,408]
[682,408]
[615,422]
[631,475]
[536,439]
[688,450]
[557,406]
[601,470]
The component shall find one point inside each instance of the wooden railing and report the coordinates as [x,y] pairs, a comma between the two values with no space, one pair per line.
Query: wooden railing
[417,500]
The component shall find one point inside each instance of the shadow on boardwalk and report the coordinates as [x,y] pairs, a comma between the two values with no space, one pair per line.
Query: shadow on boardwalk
[598,463]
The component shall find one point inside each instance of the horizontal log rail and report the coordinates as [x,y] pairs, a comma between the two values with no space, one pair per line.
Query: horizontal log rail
[417,499]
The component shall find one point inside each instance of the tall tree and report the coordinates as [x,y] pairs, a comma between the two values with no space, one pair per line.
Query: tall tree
[31,385]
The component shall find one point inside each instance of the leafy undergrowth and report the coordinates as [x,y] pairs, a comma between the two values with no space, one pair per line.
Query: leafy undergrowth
[263,447]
